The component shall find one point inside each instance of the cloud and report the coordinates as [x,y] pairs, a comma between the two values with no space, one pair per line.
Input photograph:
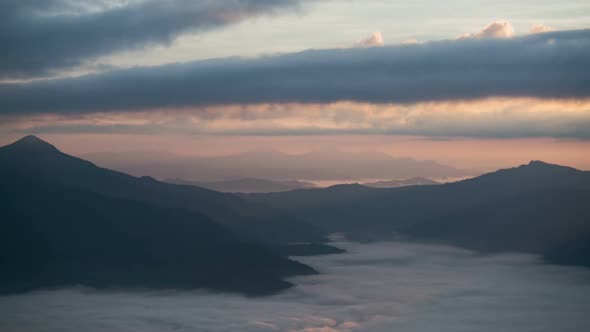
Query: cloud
[497,29]
[548,65]
[375,40]
[411,41]
[540,28]
[418,288]
[487,118]
[40,37]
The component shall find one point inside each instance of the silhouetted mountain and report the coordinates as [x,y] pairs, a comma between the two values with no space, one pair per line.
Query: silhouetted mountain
[417,181]
[30,144]
[572,252]
[54,236]
[538,208]
[60,224]
[536,221]
[247,185]
[31,157]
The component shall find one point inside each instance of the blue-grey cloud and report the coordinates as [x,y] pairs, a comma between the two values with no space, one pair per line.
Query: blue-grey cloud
[40,37]
[548,65]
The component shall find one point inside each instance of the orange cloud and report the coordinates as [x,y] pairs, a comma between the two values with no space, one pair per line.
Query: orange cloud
[497,29]
[540,28]
[374,40]
[491,118]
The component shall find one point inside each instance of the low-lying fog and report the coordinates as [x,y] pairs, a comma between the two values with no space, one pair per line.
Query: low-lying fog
[374,287]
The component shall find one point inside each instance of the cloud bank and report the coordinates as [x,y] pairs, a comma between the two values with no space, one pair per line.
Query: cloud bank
[547,65]
[40,37]
[487,118]
[376,287]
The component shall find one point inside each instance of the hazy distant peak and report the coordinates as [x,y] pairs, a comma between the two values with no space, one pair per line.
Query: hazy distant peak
[327,152]
[247,185]
[347,187]
[415,181]
[263,150]
[32,143]
[259,153]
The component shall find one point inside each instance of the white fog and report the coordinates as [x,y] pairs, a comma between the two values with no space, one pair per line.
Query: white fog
[374,287]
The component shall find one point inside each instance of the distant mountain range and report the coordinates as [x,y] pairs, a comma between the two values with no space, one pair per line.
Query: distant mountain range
[538,208]
[418,181]
[324,165]
[270,186]
[66,221]
[247,185]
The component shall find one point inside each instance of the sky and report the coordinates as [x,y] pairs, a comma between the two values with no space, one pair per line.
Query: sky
[419,288]
[466,83]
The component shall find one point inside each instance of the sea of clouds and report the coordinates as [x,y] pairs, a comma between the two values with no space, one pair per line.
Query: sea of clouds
[392,286]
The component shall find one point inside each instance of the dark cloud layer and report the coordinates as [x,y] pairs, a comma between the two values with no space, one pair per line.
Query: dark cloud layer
[549,65]
[38,37]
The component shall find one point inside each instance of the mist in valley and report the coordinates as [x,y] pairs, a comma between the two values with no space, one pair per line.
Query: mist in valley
[386,286]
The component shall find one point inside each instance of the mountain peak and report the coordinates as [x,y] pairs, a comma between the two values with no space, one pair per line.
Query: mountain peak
[537,168]
[32,143]
[538,163]
[541,165]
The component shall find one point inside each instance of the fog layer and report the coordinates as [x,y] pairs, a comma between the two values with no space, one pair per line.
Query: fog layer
[374,287]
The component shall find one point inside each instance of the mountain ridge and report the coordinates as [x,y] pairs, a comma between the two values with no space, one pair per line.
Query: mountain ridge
[415,181]
[247,185]
[66,221]
[230,210]
[535,195]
